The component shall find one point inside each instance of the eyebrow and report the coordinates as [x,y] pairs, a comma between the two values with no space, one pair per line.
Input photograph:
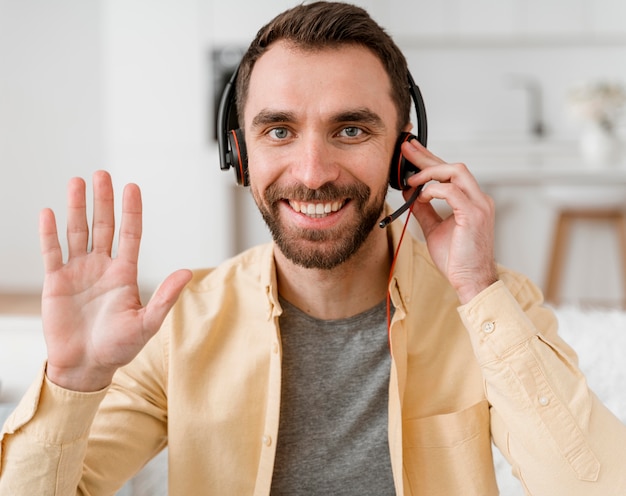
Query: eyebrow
[266,116]
[361,115]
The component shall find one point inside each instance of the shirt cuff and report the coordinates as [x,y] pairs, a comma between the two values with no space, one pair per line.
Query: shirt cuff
[53,414]
[496,323]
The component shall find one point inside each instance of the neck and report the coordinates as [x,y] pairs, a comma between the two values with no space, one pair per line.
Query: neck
[356,285]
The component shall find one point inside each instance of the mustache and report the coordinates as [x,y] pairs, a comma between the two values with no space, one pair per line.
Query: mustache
[326,193]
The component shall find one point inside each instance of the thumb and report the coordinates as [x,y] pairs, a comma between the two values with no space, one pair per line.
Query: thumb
[164,298]
[426,216]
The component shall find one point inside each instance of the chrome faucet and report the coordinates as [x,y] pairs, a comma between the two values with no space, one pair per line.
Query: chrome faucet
[536,124]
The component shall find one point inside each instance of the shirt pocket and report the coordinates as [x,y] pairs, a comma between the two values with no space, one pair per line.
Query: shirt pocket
[450,454]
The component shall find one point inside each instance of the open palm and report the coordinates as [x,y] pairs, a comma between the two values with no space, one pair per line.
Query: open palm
[93,318]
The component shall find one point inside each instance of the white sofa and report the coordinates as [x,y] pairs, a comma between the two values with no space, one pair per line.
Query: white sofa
[598,336]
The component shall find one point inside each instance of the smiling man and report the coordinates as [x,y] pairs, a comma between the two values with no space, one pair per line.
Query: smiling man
[334,360]
[318,125]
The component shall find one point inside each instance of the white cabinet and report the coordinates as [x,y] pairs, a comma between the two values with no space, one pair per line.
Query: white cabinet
[606,17]
[445,20]
[506,20]
[486,18]
[552,18]
[237,22]
[406,18]
[22,354]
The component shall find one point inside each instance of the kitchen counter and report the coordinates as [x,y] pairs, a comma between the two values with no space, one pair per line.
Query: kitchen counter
[572,172]
[530,163]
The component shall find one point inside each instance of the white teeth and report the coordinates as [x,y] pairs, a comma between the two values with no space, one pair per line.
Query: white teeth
[316,209]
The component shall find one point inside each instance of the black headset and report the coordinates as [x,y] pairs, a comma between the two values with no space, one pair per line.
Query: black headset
[233,153]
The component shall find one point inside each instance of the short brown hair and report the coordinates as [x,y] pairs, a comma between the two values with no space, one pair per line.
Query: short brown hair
[322,25]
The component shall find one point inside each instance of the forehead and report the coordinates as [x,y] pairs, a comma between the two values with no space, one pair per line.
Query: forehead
[318,80]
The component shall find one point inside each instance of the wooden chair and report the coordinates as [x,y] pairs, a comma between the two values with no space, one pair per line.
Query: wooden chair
[565,218]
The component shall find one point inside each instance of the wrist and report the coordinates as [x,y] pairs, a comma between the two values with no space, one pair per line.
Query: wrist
[84,380]
[469,291]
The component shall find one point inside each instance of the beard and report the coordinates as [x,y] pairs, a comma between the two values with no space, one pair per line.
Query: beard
[320,248]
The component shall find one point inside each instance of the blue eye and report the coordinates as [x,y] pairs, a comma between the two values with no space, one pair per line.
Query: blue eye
[351,132]
[279,133]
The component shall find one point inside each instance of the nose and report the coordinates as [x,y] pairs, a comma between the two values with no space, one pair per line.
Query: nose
[316,162]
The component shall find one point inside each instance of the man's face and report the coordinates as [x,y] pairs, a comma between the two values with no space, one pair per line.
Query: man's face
[320,131]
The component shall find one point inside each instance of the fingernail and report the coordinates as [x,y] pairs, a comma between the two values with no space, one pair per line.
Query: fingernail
[411,140]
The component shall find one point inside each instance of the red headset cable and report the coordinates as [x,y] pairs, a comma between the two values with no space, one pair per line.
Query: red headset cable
[393,264]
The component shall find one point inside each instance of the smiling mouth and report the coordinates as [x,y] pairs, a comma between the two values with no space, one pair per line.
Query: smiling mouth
[316,210]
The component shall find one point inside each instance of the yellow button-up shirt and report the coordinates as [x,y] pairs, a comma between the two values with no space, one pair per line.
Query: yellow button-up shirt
[208,386]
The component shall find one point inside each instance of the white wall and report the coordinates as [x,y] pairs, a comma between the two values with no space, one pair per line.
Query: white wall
[51,119]
[157,131]
[22,355]
[126,85]
[114,85]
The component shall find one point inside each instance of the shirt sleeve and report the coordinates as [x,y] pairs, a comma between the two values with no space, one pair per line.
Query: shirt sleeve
[43,442]
[558,437]
[63,443]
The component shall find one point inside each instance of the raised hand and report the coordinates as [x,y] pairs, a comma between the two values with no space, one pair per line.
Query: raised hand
[461,245]
[93,319]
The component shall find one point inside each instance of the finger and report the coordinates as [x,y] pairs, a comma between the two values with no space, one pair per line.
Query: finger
[458,194]
[51,252]
[435,168]
[447,191]
[432,168]
[164,298]
[425,214]
[419,155]
[77,229]
[103,227]
[131,224]
[478,216]
[457,174]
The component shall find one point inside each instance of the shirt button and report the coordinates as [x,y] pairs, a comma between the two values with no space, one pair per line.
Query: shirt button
[489,327]
[267,440]
[543,400]
[275,348]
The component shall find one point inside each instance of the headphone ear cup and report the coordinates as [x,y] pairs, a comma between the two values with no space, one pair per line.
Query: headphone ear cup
[238,156]
[401,169]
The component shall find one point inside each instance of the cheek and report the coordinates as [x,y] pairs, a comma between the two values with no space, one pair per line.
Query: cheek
[263,167]
[372,167]
[259,176]
[377,176]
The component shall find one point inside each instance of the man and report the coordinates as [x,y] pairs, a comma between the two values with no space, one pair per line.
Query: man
[278,372]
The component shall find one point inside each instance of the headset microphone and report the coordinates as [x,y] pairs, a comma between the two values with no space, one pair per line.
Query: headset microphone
[390,218]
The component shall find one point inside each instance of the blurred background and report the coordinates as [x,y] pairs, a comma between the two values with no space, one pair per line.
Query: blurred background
[526,92]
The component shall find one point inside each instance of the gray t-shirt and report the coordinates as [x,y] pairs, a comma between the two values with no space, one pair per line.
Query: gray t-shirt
[332,435]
